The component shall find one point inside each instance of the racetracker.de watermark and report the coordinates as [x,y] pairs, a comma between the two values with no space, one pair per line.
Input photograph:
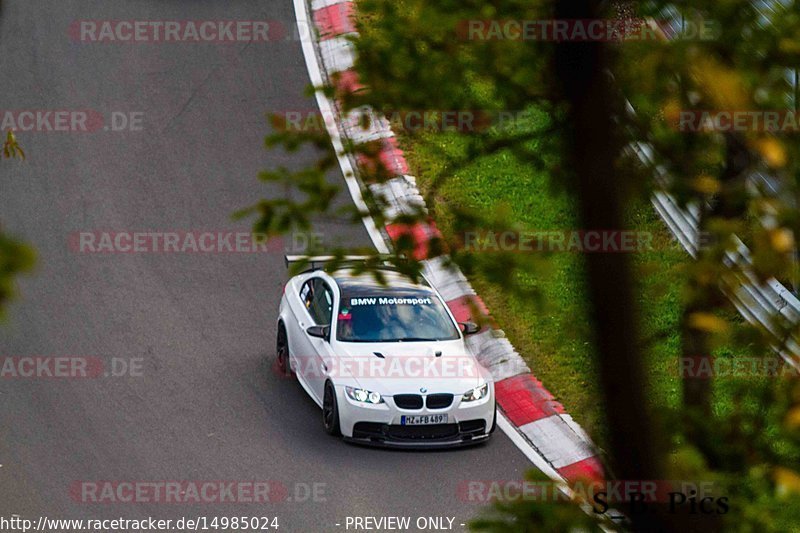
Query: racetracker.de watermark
[387,366]
[582,241]
[210,31]
[69,120]
[69,367]
[731,120]
[196,491]
[189,241]
[408,121]
[585,30]
[710,367]
[485,491]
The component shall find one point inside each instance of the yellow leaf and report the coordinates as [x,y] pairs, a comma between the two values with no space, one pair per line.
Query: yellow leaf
[707,322]
[706,184]
[793,418]
[789,46]
[723,86]
[787,481]
[782,240]
[772,151]
[11,148]
[672,112]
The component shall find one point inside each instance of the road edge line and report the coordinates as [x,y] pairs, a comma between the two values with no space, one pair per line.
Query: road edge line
[515,432]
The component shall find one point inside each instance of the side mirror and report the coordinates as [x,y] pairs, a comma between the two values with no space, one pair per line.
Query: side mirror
[468,328]
[321,332]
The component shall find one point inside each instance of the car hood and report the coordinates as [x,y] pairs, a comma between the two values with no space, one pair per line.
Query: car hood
[408,367]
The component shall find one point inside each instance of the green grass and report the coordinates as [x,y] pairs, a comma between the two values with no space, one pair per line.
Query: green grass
[552,333]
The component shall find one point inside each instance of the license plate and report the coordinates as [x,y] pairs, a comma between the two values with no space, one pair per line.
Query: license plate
[423,420]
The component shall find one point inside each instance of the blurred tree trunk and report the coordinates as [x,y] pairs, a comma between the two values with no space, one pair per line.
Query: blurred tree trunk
[704,294]
[695,345]
[592,146]
[585,86]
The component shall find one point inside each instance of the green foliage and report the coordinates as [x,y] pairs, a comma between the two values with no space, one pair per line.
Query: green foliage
[412,55]
[11,148]
[15,257]
[284,214]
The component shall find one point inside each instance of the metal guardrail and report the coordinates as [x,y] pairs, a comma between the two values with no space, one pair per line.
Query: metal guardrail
[768,305]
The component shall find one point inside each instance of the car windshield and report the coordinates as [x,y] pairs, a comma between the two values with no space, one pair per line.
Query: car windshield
[408,317]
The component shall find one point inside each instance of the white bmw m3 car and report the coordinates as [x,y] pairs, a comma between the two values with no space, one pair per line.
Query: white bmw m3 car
[386,363]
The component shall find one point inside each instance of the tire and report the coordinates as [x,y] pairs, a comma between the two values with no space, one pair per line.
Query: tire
[494,422]
[330,411]
[282,352]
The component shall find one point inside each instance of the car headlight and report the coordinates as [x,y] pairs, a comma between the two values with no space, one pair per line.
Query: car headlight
[476,394]
[363,395]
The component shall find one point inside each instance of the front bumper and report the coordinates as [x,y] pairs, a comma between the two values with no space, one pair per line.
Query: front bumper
[468,423]
[433,436]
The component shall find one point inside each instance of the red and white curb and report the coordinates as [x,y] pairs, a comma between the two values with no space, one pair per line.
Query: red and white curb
[530,415]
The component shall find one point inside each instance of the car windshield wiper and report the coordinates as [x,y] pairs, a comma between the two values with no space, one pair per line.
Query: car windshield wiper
[415,339]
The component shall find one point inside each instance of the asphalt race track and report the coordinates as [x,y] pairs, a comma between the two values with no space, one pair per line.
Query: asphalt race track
[206,404]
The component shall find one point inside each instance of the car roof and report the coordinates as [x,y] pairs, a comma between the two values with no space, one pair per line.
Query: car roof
[352,284]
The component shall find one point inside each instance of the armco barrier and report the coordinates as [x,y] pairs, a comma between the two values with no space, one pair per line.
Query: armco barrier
[762,304]
[531,409]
